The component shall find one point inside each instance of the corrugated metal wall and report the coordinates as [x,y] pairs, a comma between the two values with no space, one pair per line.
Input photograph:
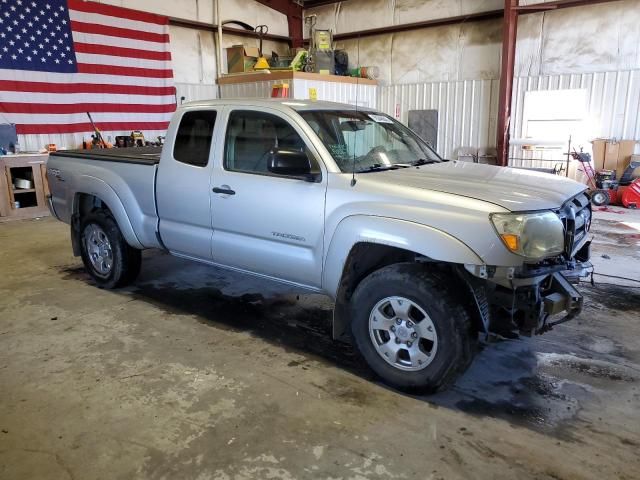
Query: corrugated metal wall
[248,90]
[468,108]
[361,95]
[364,95]
[195,91]
[613,100]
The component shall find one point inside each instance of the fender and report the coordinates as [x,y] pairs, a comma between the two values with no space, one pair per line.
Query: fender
[100,189]
[422,239]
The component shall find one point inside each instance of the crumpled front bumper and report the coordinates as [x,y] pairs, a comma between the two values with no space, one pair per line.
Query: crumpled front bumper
[562,298]
[529,300]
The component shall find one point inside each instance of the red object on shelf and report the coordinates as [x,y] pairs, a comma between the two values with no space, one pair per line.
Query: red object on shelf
[280,90]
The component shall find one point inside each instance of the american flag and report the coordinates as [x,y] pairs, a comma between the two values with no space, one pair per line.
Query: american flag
[62,58]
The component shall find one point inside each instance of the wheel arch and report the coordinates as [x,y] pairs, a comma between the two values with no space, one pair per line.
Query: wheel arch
[101,197]
[362,244]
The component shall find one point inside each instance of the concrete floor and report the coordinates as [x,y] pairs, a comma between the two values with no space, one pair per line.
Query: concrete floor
[198,373]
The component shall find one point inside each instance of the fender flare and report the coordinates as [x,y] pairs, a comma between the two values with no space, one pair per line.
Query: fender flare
[430,242]
[101,190]
[410,236]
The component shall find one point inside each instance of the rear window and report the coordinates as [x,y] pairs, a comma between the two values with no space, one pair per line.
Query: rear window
[193,140]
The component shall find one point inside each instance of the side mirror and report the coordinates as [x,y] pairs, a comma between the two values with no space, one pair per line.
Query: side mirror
[292,163]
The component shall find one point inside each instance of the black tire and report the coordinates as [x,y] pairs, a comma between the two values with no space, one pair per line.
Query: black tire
[431,291]
[600,197]
[125,260]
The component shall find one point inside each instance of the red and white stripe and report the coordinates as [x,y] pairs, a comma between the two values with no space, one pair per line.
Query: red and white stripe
[124,77]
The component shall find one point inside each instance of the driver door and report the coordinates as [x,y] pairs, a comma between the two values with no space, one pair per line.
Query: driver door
[264,223]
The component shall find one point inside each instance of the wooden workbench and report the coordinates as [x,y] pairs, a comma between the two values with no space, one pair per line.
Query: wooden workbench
[19,203]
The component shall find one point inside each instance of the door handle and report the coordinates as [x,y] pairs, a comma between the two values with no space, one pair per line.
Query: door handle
[224,189]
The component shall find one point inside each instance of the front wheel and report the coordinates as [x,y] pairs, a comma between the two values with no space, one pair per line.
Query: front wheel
[410,329]
[106,255]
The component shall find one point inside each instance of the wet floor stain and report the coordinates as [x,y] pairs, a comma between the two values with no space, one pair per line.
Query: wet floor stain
[284,320]
[613,297]
[517,381]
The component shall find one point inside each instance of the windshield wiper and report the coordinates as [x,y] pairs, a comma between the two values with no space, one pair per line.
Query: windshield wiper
[423,161]
[378,167]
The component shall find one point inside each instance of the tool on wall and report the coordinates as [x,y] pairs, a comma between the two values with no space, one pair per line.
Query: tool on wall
[262,63]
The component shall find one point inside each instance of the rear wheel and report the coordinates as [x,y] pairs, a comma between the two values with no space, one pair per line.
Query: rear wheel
[600,197]
[106,255]
[410,329]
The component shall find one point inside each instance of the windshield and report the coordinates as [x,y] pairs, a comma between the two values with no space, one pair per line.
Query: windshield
[367,142]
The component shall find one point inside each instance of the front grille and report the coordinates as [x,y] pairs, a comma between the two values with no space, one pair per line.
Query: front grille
[576,218]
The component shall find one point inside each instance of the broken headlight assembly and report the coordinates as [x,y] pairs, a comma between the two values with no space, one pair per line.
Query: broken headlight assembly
[532,235]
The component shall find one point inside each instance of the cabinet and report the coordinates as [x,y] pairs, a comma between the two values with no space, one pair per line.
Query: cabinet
[23,186]
[302,86]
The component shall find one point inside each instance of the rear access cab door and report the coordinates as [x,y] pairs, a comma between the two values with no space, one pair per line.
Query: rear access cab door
[183,184]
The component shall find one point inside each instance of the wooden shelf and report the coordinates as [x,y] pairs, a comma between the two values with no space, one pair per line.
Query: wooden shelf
[259,76]
[33,200]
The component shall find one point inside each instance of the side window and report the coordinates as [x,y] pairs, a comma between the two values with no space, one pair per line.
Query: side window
[250,137]
[193,140]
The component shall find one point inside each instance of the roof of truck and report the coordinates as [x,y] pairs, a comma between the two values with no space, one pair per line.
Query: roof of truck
[280,103]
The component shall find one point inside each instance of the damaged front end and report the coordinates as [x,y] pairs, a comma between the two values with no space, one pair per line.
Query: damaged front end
[535,297]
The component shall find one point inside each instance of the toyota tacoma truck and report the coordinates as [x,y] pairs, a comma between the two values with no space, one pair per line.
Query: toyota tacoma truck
[423,257]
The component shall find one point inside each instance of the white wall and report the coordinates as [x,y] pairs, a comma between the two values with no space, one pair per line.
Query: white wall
[194,51]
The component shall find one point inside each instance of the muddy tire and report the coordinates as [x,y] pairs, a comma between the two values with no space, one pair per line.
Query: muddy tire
[106,255]
[410,329]
[600,197]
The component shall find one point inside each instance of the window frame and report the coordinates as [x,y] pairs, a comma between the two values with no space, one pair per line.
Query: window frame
[216,119]
[310,148]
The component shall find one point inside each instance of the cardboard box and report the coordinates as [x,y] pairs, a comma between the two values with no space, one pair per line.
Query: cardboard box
[611,151]
[241,58]
[598,146]
[625,150]
[612,154]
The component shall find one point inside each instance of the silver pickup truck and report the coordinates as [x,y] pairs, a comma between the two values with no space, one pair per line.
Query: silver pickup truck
[423,257]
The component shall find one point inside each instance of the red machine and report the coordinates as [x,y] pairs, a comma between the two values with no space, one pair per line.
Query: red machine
[630,197]
[605,189]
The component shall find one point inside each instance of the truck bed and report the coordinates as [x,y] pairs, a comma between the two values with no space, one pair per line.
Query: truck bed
[140,155]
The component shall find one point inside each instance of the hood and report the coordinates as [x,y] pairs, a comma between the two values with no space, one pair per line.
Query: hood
[510,188]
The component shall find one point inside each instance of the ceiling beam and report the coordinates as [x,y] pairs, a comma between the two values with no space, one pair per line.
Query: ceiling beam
[293,10]
[438,22]
[558,4]
[319,3]
[209,27]
[474,17]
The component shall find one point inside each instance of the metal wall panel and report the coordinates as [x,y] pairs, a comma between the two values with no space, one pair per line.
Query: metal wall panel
[351,93]
[196,91]
[248,90]
[466,109]
[364,95]
[613,100]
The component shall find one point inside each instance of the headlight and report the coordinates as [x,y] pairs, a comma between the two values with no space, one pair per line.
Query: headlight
[532,235]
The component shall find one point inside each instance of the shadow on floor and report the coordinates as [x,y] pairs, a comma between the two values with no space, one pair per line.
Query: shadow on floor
[504,381]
